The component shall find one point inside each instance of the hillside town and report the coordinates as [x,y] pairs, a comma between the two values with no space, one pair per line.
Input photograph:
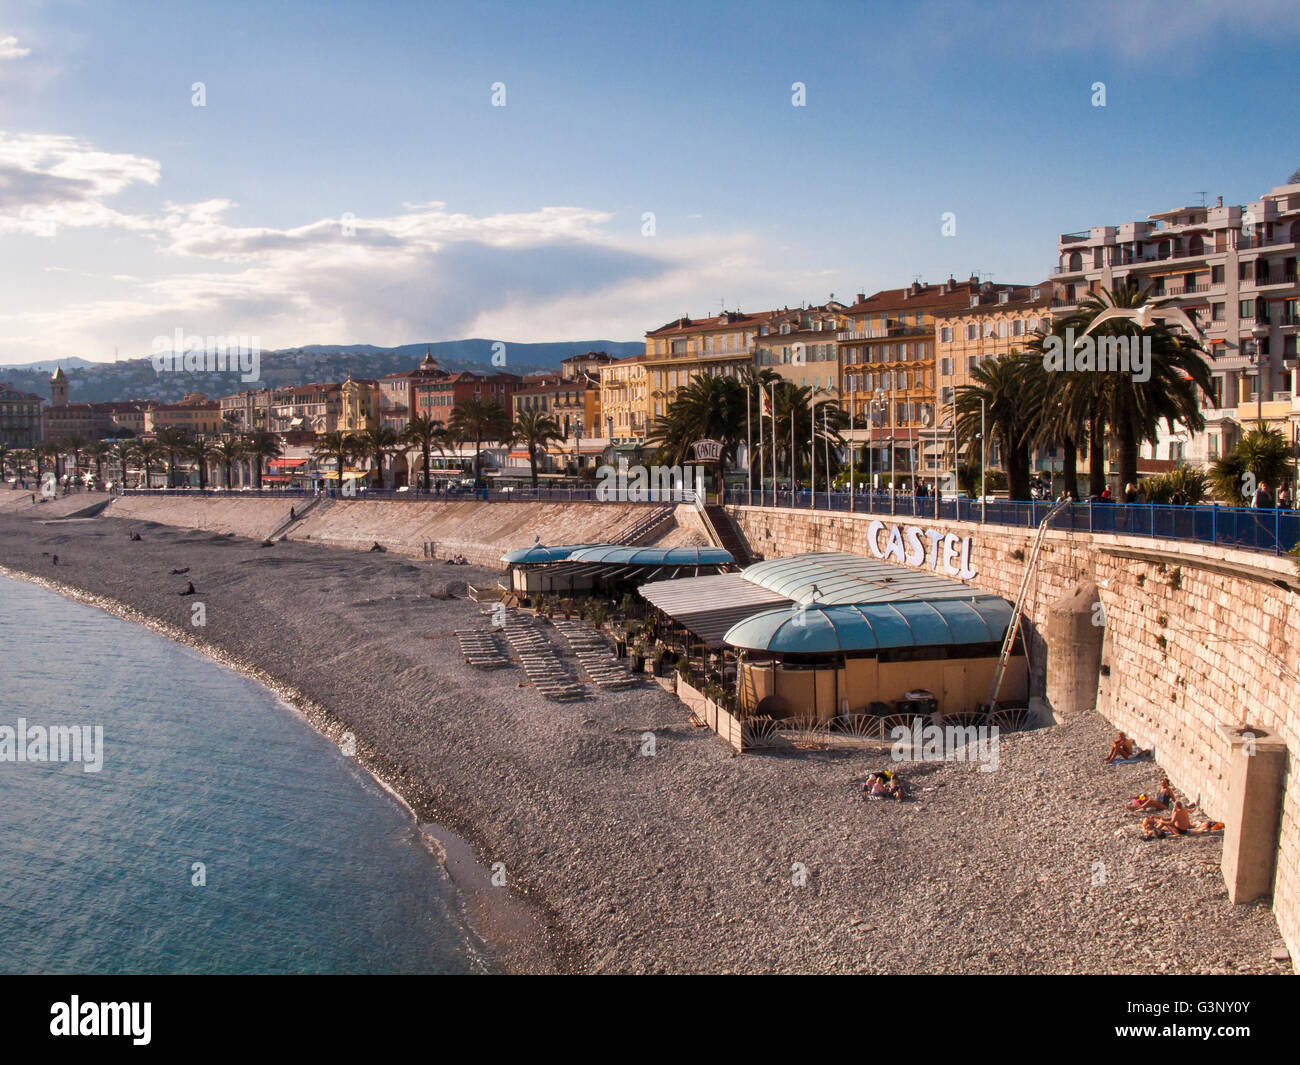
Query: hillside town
[885,372]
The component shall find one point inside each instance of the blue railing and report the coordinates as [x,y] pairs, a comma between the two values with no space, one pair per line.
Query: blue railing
[1274,531]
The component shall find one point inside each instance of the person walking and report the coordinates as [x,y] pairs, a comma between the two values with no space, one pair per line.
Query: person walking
[1263,498]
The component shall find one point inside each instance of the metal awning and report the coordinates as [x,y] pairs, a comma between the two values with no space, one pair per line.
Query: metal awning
[837,578]
[709,606]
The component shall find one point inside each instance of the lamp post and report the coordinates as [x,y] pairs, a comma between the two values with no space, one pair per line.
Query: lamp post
[577,450]
[1258,335]
[984,451]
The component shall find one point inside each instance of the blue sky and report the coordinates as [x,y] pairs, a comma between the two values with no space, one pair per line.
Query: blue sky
[126,212]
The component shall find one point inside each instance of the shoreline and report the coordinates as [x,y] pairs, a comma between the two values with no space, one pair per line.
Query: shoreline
[680,862]
[485,916]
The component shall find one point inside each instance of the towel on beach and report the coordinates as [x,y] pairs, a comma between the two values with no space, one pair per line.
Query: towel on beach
[1138,756]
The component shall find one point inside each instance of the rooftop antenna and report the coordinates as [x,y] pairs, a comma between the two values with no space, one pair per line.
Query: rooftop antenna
[1201,194]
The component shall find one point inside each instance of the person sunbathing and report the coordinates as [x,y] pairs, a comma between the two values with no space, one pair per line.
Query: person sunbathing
[896,788]
[1122,748]
[1164,797]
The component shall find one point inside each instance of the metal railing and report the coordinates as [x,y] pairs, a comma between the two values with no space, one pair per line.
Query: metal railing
[1273,531]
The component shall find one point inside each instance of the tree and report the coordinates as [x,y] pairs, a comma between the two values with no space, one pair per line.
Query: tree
[426,433]
[98,451]
[51,451]
[535,430]
[479,420]
[149,452]
[1262,456]
[201,452]
[228,452]
[337,446]
[1294,178]
[995,397]
[73,446]
[378,442]
[1190,481]
[261,446]
[708,408]
[1131,410]
[173,441]
[6,455]
[123,451]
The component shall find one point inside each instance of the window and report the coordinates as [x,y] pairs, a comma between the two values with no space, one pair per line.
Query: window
[1246,309]
[1018,327]
[945,367]
[972,363]
[1216,310]
[972,332]
[1216,275]
[1002,328]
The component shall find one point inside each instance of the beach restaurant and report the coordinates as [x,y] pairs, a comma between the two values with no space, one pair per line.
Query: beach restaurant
[828,633]
[606,569]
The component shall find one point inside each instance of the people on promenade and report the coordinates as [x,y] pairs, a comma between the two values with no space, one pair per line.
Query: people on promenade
[1263,499]
[1284,497]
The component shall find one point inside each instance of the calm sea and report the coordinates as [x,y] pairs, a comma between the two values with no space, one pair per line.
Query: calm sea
[310,867]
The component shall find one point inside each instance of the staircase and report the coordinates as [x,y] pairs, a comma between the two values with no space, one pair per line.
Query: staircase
[645,528]
[724,534]
[299,513]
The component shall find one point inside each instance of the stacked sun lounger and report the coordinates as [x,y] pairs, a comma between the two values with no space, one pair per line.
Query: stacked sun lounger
[594,655]
[540,660]
[480,649]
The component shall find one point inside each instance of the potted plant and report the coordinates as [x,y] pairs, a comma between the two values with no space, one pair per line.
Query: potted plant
[638,657]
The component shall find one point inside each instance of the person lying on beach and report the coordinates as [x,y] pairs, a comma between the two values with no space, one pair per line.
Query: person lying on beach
[136,536]
[189,589]
[1163,799]
[1120,749]
[896,788]
[1202,827]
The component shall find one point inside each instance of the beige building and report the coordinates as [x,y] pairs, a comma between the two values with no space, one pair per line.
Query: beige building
[993,323]
[682,350]
[624,396]
[195,414]
[359,405]
[800,346]
[1233,270]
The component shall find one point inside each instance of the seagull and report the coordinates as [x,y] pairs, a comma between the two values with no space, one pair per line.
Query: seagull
[1146,316]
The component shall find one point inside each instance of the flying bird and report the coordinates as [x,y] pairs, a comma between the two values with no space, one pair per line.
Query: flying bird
[1146,316]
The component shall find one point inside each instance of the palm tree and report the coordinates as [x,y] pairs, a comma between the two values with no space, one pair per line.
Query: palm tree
[1131,410]
[337,446]
[260,446]
[536,429]
[173,441]
[1262,456]
[426,433]
[51,451]
[73,446]
[149,452]
[201,452]
[228,452]
[377,443]
[98,450]
[709,407]
[6,454]
[479,419]
[999,383]
[123,452]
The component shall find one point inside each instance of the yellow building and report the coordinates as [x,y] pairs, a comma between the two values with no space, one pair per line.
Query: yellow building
[624,396]
[195,414]
[682,350]
[888,358]
[800,346]
[995,321]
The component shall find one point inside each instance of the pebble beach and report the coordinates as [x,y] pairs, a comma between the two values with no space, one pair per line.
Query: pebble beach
[695,859]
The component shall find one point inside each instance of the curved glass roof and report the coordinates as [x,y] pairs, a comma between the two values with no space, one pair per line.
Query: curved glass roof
[833,578]
[820,629]
[654,556]
[542,553]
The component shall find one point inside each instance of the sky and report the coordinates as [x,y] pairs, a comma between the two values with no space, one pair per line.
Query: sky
[342,173]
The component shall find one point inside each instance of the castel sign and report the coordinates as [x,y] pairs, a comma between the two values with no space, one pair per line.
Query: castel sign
[912,545]
[707,450]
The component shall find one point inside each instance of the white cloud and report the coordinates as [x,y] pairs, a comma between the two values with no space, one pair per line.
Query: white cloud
[425,272]
[9,49]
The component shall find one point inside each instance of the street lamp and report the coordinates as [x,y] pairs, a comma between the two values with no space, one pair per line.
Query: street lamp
[1258,335]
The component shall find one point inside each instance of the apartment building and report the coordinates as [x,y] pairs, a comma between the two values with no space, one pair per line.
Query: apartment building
[439,398]
[887,354]
[309,408]
[994,322]
[684,349]
[624,400]
[1233,269]
[20,417]
[397,391]
[195,414]
[800,346]
[246,412]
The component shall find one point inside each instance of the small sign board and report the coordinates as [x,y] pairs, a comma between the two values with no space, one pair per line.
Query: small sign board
[707,450]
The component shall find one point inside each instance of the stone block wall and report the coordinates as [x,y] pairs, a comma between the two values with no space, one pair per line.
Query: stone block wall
[1196,636]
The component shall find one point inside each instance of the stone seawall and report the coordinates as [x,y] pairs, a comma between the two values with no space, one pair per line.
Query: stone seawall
[482,532]
[1196,636]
